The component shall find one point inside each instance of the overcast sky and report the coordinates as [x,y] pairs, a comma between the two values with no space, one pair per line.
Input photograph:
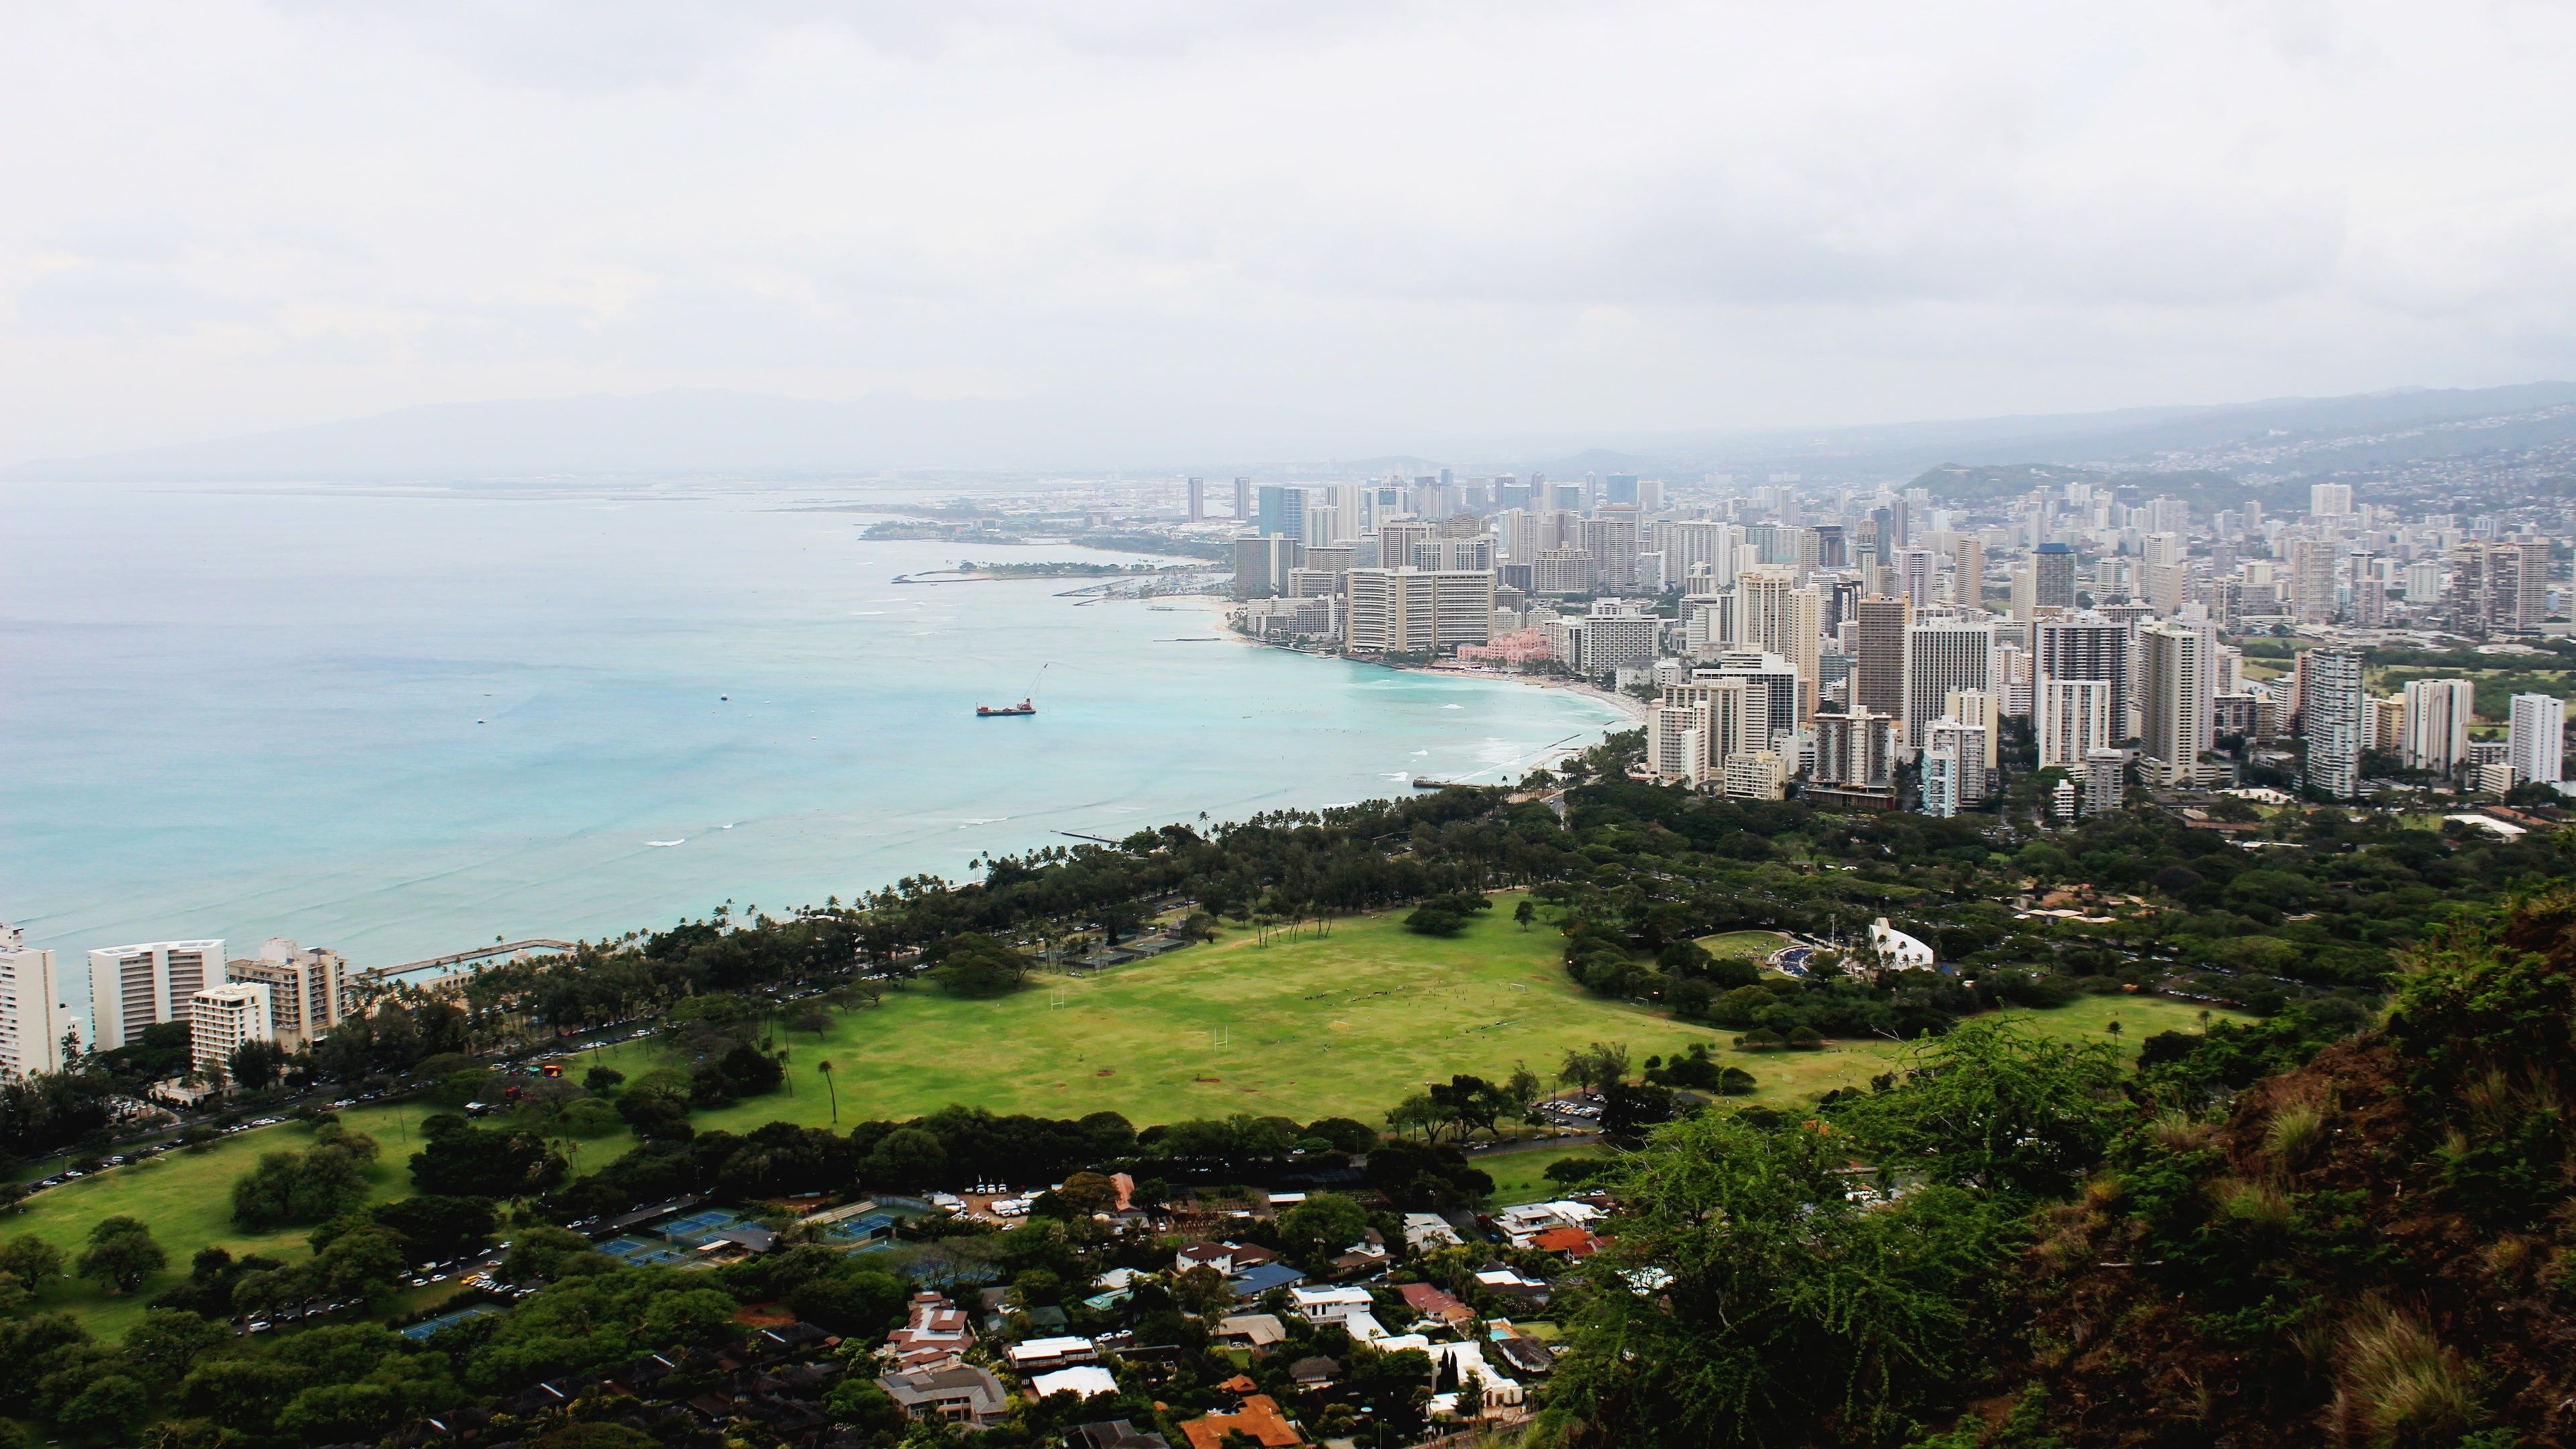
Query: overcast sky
[220,217]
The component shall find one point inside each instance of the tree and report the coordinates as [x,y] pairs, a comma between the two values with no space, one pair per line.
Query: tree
[256,1064]
[1782,1312]
[859,1403]
[601,1436]
[121,1254]
[1597,1066]
[168,1340]
[305,1187]
[110,1406]
[749,1072]
[976,965]
[463,1160]
[906,1157]
[437,1227]
[602,1080]
[825,1068]
[1321,1226]
[32,1261]
[857,1303]
[1994,1105]
[1524,913]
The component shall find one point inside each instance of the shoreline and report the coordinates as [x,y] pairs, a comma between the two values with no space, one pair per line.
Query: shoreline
[1628,705]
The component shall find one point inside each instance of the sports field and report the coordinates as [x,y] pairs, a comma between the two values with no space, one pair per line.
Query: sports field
[1307,1026]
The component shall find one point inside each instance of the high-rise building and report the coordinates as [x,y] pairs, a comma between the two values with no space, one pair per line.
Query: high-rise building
[2106,774]
[2089,646]
[2438,712]
[1878,668]
[1562,571]
[1984,710]
[2334,715]
[1611,539]
[1941,655]
[1198,500]
[1283,512]
[308,988]
[1775,616]
[133,987]
[2052,573]
[1242,499]
[1419,611]
[1756,775]
[1915,570]
[2536,740]
[1854,751]
[2072,718]
[2177,670]
[1968,571]
[2330,500]
[2312,578]
[1262,564]
[32,1019]
[2498,584]
[1677,742]
[223,1017]
[1964,783]
[2424,582]
[2369,593]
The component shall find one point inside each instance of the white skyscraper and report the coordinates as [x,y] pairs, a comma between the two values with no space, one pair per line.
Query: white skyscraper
[2330,500]
[2536,742]
[2072,718]
[2334,715]
[32,1022]
[2177,675]
[1941,655]
[2438,712]
[132,987]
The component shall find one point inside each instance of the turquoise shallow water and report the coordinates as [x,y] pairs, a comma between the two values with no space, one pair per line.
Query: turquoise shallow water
[403,724]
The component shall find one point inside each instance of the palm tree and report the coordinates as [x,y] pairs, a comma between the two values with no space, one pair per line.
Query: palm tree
[825,1067]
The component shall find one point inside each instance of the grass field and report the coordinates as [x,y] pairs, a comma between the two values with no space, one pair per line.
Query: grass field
[1744,943]
[185,1198]
[1521,1177]
[1340,1025]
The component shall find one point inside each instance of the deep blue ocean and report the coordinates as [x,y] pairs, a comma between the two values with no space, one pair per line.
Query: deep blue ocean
[405,722]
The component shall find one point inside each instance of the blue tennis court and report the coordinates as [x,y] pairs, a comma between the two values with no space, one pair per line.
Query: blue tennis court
[712,1220]
[631,1249]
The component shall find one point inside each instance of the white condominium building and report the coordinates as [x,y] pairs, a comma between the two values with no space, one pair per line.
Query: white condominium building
[2072,718]
[221,1018]
[1419,611]
[133,987]
[2334,714]
[1941,655]
[32,1020]
[2536,741]
[308,988]
[2438,712]
[2177,677]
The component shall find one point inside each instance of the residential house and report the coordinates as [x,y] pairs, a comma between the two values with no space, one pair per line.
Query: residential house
[1258,1419]
[1434,1304]
[1040,1354]
[957,1394]
[935,1331]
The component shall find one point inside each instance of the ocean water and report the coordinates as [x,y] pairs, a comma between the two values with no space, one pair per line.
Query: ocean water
[404,723]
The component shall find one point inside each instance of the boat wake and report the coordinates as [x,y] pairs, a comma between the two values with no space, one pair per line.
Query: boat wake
[667,844]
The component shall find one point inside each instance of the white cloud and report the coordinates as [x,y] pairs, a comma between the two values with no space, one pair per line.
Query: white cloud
[228,215]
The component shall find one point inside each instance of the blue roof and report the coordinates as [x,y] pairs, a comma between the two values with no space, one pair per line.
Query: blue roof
[1254,1282]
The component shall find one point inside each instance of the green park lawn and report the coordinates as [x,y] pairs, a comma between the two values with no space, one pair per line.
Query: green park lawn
[185,1198]
[1306,1026]
[1756,944]
[1521,1177]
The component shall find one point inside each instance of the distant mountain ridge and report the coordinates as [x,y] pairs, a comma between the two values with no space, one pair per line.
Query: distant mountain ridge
[734,434]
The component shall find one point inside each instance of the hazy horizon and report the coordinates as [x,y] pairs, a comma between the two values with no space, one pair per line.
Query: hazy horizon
[1182,227]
